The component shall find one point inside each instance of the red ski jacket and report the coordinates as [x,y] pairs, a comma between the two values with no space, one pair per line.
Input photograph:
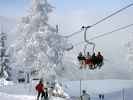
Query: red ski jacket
[40,87]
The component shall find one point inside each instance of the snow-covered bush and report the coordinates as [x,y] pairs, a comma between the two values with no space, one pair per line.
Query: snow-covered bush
[59,92]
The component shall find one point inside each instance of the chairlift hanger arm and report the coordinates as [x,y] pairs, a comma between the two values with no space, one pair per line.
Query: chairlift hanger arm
[85,36]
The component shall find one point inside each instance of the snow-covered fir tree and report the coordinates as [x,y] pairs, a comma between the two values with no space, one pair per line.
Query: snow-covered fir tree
[38,47]
[4,57]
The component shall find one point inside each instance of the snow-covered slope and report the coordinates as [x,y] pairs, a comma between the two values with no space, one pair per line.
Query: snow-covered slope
[95,87]
[112,89]
[5,96]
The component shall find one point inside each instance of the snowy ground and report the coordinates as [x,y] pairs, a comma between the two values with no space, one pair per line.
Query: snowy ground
[5,96]
[97,86]
[111,88]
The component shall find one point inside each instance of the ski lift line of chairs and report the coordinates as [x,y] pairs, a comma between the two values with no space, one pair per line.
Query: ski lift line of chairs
[90,61]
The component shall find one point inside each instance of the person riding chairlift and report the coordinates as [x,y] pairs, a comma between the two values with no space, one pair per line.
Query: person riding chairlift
[88,60]
[99,59]
[94,60]
[81,59]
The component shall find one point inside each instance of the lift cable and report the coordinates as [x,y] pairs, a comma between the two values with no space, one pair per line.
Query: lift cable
[105,34]
[108,33]
[74,33]
[118,11]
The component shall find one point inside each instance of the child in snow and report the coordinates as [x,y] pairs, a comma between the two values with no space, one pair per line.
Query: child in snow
[45,94]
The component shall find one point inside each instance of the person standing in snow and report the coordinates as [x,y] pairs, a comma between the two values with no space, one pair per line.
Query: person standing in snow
[85,96]
[45,94]
[101,96]
[40,89]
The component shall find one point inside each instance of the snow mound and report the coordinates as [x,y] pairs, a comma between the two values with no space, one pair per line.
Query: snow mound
[59,92]
[5,82]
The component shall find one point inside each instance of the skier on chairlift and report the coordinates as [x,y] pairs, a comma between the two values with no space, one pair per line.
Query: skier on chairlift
[99,60]
[94,60]
[88,61]
[81,59]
